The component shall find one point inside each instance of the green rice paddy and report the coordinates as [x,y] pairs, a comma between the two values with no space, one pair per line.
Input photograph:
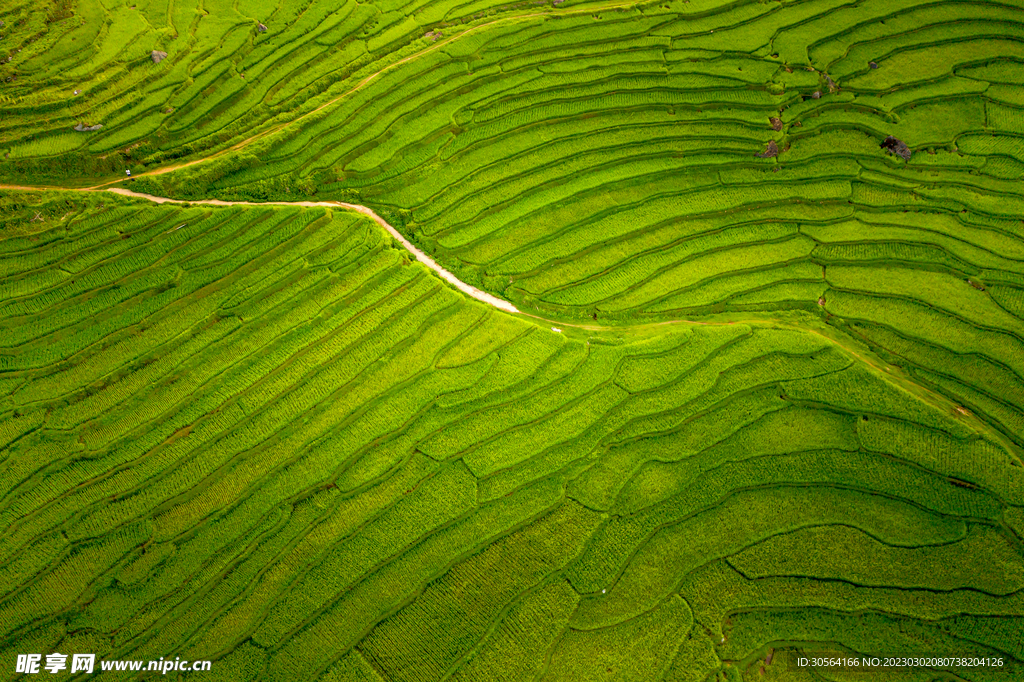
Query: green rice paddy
[764,397]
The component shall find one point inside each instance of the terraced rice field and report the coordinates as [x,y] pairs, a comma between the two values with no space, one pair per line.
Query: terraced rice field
[262,436]
[751,407]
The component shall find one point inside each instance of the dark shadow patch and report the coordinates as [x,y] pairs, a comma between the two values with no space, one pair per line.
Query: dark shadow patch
[897,147]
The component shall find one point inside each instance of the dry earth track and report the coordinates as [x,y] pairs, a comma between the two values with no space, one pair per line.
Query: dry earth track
[420,256]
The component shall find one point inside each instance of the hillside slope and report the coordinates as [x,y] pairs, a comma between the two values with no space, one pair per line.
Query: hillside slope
[262,436]
[764,397]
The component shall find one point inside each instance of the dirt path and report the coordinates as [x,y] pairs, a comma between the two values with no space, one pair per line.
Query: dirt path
[420,256]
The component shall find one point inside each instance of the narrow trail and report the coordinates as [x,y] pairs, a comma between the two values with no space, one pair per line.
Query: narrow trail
[893,375]
[467,289]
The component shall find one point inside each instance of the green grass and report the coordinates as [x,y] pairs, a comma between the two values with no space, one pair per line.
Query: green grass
[573,168]
[752,403]
[277,445]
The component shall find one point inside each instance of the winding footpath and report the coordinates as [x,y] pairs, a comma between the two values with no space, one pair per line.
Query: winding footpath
[467,289]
